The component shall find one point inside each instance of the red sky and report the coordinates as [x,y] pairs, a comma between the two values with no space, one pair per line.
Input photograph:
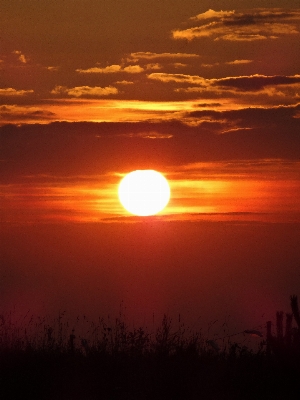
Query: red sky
[208,94]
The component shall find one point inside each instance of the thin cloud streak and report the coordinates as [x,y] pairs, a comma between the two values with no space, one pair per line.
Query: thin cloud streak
[147,55]
[112,69]
[216,188]
[14,92]
[93,110]
[245,83]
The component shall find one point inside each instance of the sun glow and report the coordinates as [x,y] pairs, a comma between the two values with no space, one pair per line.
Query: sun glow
[144,192]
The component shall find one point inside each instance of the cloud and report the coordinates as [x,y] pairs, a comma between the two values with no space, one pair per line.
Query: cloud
[151,135]
[52,68]
[256,82]
[249,133]
[14,92]
[262,122]
[124,82]
[237,62]
[133,69]
[256,24]
[214,105]
[269,85]
[210,65]
[143,58]
[13,113]
[154,56]
[179,65]
[153,66]
[112,69]
[85,91]
[181,78]
[21,57]
[212,14]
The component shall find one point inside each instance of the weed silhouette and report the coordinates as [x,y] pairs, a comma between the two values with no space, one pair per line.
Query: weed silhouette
[53,362]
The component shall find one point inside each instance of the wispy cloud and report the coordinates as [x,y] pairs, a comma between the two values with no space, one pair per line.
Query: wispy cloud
[112,69]
[85,91]
[255,82]
[210,65]
[14,92]
[211,14]
[21,56]
[249,25]
[151,135]
[147,55]
[268,120]
[238,62]
[180,78]
[52,68]
[272,85]
[153,66]
[124,82]
[234,187]
[14,113]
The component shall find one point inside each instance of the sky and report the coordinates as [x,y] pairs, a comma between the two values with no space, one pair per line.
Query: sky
[207,93]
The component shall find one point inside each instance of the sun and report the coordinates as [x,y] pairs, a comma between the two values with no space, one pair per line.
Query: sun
[144,192]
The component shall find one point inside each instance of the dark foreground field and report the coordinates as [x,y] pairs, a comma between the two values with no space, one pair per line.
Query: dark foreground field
[118,363]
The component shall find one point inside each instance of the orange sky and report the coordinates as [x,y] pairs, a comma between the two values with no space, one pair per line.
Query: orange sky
[208,87]
[206,191]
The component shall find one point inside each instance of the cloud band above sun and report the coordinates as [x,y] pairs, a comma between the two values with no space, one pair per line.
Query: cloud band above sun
[249,25]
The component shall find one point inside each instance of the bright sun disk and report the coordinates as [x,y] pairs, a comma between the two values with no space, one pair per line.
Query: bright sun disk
[144,192]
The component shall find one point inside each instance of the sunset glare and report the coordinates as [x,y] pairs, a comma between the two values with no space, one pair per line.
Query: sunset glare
[144,192]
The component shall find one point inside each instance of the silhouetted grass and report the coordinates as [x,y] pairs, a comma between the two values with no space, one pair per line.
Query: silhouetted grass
[52,361]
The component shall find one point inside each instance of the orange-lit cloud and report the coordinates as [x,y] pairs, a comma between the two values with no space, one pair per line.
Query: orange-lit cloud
[124,82]
[14,92]
[133,69]
[25,114]
[250,25]
[179,65]
[210,65]
[21,57]
[153,66]
[96,110]
[284,87]
[85,91]
[252,82]
[136,68]
[181,78]
[112,69]
[188,112]
[211,14]
[237,62]
[52,68]
[153,56]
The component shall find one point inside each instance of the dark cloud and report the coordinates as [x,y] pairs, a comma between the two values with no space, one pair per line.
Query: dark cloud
[259,16]
[258,118]
[248,25]
[15,114]
[256,82]
[94,148]
[209,104]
